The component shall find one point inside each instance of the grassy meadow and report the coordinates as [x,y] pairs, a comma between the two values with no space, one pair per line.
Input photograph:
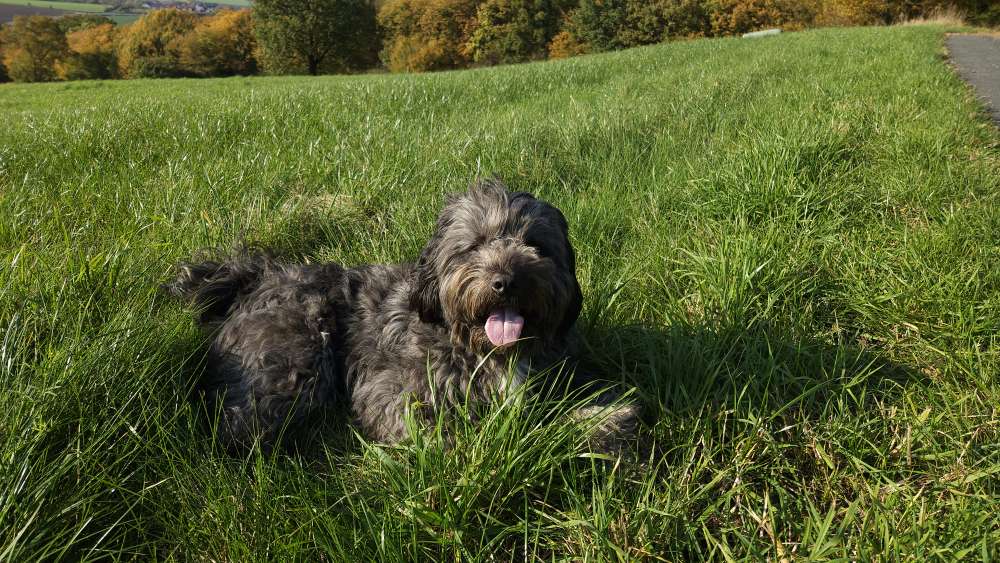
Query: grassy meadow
[790,245]
[55,5]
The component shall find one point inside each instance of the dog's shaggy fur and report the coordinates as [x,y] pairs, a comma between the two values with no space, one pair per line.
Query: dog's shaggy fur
[496,282]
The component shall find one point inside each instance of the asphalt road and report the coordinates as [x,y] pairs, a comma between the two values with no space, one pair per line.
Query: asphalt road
[977,58]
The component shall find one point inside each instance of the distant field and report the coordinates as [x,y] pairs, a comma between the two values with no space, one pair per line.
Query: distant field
[11,8]
[65,6]
[789,245]
[122,19]
[8,11]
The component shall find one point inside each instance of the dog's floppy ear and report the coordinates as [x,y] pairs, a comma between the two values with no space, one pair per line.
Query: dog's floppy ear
[425,296]
[575,304]
[573,308]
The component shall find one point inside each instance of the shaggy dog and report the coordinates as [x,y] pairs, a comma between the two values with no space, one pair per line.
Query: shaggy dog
[491,300]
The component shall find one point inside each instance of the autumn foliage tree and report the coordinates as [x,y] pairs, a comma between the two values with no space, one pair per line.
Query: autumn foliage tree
[313,35]
[564,45]
[740,16]
[853,12]
[92,54]
[319,36]
[31,47]
[427,34]
[222,44]
[150,47]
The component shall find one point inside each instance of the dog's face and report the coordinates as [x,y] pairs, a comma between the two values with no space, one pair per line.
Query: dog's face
[499,271]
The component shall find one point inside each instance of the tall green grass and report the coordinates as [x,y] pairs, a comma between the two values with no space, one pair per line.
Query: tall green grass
[789,245]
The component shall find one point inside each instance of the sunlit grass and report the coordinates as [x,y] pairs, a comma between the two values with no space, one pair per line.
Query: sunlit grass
[789,245]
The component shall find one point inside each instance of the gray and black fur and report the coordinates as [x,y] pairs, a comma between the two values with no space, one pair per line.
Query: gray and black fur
[291,339]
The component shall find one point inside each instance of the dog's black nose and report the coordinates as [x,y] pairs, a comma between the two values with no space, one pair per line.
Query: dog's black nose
[502,283]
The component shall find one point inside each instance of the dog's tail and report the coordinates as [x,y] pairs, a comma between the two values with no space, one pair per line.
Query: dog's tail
[216,287]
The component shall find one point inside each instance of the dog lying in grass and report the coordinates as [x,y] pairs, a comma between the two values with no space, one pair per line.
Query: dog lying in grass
[491,301]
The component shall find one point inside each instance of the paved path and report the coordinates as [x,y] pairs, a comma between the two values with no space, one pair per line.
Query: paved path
[977,58]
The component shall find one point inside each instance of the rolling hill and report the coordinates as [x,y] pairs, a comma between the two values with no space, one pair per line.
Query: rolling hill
[787,244]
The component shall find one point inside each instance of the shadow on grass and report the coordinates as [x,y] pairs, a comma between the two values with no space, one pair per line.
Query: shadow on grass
[749,403]
[685,370]
[763,375]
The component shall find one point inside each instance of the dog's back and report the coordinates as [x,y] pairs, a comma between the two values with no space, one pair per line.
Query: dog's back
[273,357]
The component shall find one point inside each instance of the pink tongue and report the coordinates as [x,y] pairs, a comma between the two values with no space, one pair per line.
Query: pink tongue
[504,326]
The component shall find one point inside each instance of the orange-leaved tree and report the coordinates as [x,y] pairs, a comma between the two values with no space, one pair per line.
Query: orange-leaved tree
[566,44]
[427,34]
[741,16]
[32,45]
[222,44]
[92,54]
[854,12]
[150,47]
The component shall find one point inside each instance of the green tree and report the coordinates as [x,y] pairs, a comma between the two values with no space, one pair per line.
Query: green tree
[76,22]
[510,31]
[654,21]
[316,34]
[3,68]
[32,45]
[597,24]
[602,25]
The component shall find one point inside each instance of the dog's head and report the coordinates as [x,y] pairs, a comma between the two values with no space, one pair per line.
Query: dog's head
[499,270]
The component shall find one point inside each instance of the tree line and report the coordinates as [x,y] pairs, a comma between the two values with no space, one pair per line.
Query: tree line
[338,36]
